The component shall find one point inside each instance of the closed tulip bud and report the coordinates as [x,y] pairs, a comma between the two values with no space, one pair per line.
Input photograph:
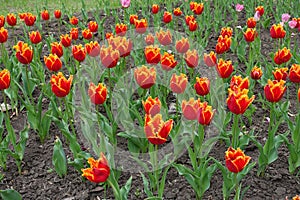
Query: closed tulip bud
[189,18]
[22,16]
[155,8]
[256,73]
[109,35]
[109,57]
[223,44]
[45,15]
[145,77]
[11,19]
[168,62]
[277,31]
[236,160]
[191,58]
[156,129]
[29,19]
[282,56]
[202,86]
[60,85]
[93,26]
[167,18]
[140,25]
[239,82]
[238,100]
[178,83]
[2,21]
[125,3]
[66,40]
[4,79]
[56,48]
[87,34]
[149,39]
[164,37]
[190,108]
[250,35]
[57,14]
[74,33]
[35,37]
[294,74]
[198,8]
[205,114]
[92,48]
[182,45]
[97,93]
[99,171]
[152,54]
[52,62]
[210,59]
[260,9]
[121,44]
[224,68]
[24,53]
[193,25]
[280,73]
[226,31]
[152,106]
[74,20]
[78,52]
[132,18]
[192,5]
[251,23]
[177,12]
[274,90]
[3,35]
[121,29]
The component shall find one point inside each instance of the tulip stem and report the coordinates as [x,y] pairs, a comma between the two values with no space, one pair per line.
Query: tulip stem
[237,192]
[177,109]
[198,146]
[235,131]
[70,115]
[156,166]
[6,108]
[28,84]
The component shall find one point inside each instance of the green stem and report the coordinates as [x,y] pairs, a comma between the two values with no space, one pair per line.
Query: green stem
[6,108]
[70,115]
[200,138]
[28,85]
[177,108]
[116,192]
[237,196]
[156,172]
[235,131]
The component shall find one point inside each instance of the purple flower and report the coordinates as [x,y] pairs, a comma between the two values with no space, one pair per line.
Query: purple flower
[125,3]
[256,16]
[285,17]
[239,7]
[292,24]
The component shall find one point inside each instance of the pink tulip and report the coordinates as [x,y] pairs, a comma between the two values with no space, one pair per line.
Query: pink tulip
[256,16]
[239,7]
[292,24]
[285,17]
[125,3]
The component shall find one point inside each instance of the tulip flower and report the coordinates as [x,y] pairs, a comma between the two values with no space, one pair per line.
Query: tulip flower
[155,8]
[3,35]
[149,39]
[282,56]
[45,15]
[236,160]
[109,57]
[226,31]
[285,17]
[156,129]
[66,40]
[182,45]
[121,44]
[4,79]
[177,12]
[87,34]
[256,73]
[205,114]
[239,7]
[178,83]
[293,24]
[298,22]
[145,77]
[29,19]
[99,171]
[250,35]
[140,25]
[74,33]
[191,58]
[277,31]
[189,18]
[224,68]
[52,62]
[238,100]
[198,8]
[11,19]
[97,93]
[74,20]
[251,23]
[260,10]
[125,3]
[121,29]
[280,73]
[92,48]
[152,106]
[93,26]
[193,25]
[223,44]
[132,18]
[294,74]
[192,5]
[210,59]
[152,54]
[202,86]
[24,53]
[60,85]
[168,61]
[164,37]
[57,14]
[239,82]
[78,52]
[274,90]
[257,16]
[2,21]
[22,16]
[190,108]
[35,37]
[56,48]
[167,17]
